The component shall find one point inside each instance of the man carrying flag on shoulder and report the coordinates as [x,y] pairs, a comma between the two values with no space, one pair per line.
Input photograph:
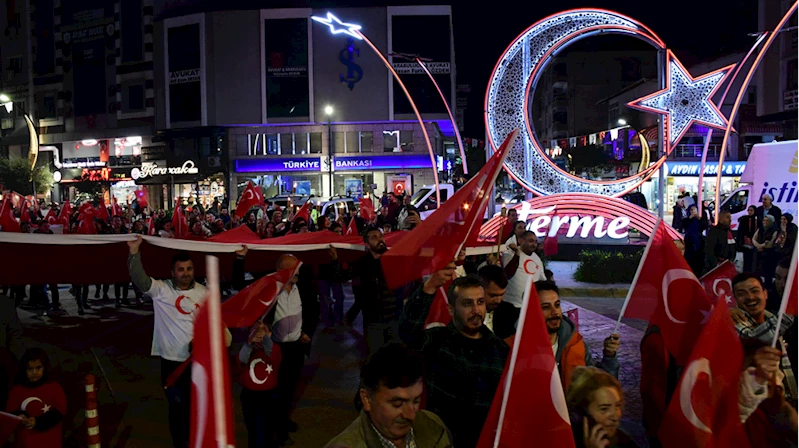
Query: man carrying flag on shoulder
[175,305]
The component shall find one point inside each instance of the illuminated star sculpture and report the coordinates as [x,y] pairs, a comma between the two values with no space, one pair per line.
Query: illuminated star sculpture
[339,27]
[685,100]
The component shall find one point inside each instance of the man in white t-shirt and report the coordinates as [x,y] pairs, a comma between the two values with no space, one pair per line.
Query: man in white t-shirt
[512,242]
[520,263]
[175,302]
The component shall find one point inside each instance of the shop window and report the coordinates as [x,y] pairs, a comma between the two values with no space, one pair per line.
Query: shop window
[338,143]
[353,143]
[406,141]
[391,141]
[315,142]
[367,140]
[301,143]
[243,145]
[286,143]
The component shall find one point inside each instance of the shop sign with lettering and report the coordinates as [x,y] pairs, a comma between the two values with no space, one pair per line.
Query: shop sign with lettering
[151,170]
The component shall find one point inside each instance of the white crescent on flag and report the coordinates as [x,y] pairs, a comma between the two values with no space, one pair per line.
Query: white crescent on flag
[668,279]
[686,388]
[253,376]
[556,390]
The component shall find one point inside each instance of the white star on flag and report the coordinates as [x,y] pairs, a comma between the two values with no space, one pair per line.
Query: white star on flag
[46,408]
[685,100]
[339,27]
[269,368]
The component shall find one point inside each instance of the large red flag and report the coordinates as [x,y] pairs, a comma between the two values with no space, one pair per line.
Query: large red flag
[666,293]
[8,222]
[367,209]
[439,313]
[65,215]
[704,410]
[718,283]
[211,410]
[179,225]
[102,210]
[52,216]
[8,424]
[252,302]
[791,295]
[436,241]
[530,389]
[251,197]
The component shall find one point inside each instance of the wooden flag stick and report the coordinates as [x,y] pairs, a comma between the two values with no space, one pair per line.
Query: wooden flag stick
[503,220]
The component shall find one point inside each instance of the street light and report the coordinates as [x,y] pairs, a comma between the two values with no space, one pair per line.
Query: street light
[329,113]
[5,101]
[622,122]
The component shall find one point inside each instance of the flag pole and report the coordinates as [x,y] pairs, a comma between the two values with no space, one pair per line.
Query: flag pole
[217,354]
[637,274]
[502,221]
[785,297]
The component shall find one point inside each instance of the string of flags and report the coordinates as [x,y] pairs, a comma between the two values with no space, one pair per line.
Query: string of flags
[474,143]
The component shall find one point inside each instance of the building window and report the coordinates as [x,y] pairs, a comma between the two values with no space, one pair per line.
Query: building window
[12,67]
[338,143]
[243,147]
[316,142]
[133,99]
[391,141]
[751,95]
[48,109]
[367,141]
[301,143]
[353,143]
[406,141]
[561,117]
[286,143]
[271,144]
[132,31]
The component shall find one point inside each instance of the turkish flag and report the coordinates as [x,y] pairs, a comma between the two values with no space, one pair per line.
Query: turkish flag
[8,222]
[304,212]
[179,225]
[250,198]
[211,410]
[116,209]
[102,210]
[64,216]
[667,294]
[86,214]
[718,283]
[791,295]
[151,226]
[352,228]
[142,197]
[367,209]
[260,372]
[52,216]
[8,424]
[399,187]
[530,389]
[257,299]
[439,313]
[24,213]
[704,409]
[437,240]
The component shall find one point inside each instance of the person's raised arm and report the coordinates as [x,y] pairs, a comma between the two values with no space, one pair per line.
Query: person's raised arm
[137,274]
[416,309]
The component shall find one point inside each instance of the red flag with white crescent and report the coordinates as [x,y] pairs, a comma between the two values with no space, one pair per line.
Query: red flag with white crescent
[24,213]
[352,228]
[666,293]
[8,222]
[439,312]
[142,197]
[257,299]
[260,372]
[211,410]
[116,209]
[703,412]
[179,225]
[718,283]
[64,216]
[102,210]
[52,216]
[251,197]
[530,389]
[367,209]
[86,214]
[151,226]
[304,212]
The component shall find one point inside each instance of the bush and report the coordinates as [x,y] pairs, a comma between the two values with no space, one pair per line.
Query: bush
[598,266]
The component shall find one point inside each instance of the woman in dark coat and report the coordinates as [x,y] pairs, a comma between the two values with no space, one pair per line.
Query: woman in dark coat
[693,226]
[747,226]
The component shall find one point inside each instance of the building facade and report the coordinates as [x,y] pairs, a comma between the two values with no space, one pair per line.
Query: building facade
[778,75]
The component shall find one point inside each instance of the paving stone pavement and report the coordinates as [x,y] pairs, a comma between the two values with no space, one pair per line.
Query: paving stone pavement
[114,345]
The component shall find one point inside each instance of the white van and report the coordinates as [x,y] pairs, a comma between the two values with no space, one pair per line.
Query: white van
[425,198]
[772,168]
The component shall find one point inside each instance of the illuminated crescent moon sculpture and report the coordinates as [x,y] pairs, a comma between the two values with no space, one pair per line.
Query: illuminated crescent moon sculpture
[33,154]
[512,86]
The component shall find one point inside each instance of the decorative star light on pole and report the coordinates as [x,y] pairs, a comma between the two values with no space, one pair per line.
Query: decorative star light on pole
[685,100]
[339,27]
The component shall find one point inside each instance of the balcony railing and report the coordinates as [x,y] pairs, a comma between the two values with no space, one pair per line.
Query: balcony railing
[692,151]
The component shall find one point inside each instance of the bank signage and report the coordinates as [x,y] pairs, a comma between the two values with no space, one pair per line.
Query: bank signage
[275,164]
[152,169]
[732,169]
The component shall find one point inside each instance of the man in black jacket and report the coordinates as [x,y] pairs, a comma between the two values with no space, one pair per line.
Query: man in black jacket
[768,208]
[720,245]
[501,316]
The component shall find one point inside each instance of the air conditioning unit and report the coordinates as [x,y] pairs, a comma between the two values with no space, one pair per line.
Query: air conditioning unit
[214,162]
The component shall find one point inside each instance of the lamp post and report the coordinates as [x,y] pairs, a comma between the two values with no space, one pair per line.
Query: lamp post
[329,113]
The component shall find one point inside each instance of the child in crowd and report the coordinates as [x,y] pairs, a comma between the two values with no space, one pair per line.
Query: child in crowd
[259,361]
[40,402]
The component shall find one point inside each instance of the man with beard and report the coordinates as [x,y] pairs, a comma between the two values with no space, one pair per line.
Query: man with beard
[569,347]
[464,360]
[501,316]
[381,306]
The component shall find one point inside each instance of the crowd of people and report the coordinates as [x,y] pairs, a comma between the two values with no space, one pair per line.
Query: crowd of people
[433,386]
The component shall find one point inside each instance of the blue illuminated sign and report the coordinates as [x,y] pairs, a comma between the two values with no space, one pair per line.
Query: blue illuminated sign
[732,169]
[278,164]
[410,161]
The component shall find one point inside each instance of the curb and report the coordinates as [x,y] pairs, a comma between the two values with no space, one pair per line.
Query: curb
[615,293]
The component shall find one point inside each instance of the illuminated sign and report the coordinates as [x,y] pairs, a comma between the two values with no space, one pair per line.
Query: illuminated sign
[692,169]
[412,68]
[151,170]
[276,164]
[411,161]
[544,222]
[83,164]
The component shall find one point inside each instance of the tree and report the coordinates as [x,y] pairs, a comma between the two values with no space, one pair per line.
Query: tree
[15,175]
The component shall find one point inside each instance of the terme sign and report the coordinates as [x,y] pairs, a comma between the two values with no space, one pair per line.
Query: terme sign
[543,223]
